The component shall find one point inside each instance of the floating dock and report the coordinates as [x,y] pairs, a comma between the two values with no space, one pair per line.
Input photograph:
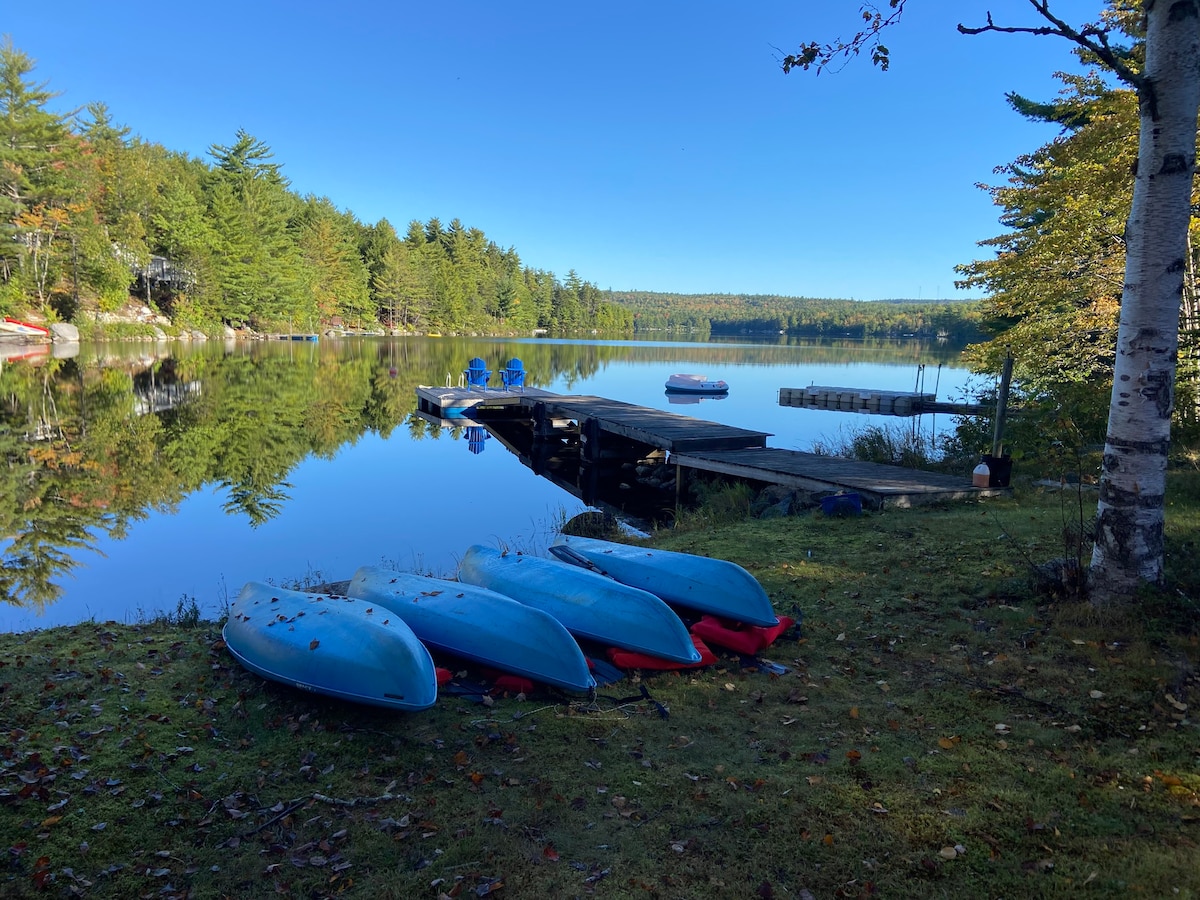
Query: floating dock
[880,403]
[596,429]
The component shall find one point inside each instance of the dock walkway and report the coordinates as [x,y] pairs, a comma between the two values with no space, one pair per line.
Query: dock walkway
[653,427]
[611,429]
[878,485]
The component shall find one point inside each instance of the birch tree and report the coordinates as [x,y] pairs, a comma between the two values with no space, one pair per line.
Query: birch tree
[1128,550]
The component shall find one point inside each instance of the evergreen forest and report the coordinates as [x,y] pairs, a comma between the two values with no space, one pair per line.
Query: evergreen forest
[95,216]
[960,321]
[92,214]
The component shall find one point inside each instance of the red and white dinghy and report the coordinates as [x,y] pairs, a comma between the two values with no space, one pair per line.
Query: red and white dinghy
[16,326]
[696,384]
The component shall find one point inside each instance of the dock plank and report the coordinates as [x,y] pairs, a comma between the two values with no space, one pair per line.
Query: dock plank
[879,485]
[664,430]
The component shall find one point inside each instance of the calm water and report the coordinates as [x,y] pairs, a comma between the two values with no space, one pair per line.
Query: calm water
[141,477]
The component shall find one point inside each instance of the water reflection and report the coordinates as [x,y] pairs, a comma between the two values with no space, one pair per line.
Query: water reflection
[98,438]
[475,435]
[693,397]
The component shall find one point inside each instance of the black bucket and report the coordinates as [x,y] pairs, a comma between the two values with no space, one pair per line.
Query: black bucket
[999,469]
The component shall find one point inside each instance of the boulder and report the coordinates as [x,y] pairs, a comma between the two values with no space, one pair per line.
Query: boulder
[64,332]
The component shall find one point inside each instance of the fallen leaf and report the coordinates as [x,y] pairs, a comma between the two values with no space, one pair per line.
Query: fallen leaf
[314,644]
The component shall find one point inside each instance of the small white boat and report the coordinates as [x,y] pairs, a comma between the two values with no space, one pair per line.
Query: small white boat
[696,384]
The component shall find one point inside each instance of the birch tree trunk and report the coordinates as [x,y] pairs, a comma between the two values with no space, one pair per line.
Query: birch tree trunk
[1129,517]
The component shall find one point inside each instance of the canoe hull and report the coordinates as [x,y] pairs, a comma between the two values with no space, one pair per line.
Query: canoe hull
[16,326]
[330,645]
[478,624]
[707,585]
[588,605]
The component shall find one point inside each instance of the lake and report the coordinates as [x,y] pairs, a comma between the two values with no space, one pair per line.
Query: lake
[141,476]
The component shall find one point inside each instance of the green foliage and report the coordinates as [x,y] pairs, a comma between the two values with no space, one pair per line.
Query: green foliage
[38,180]
[892,445]
[1055,281]
[716,502]
[87,210]
[799,316]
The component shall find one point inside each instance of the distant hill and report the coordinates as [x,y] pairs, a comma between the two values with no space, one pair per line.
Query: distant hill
[959,320]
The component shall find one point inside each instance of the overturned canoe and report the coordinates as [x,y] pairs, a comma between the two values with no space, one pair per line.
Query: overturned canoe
[587,604]
[479,625]
[330,645]
[714,586]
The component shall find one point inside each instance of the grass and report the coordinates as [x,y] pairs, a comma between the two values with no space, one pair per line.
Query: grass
[942,730]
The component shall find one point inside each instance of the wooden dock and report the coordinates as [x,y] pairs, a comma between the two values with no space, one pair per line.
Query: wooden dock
[600,419]
[462,402]
[599,429]
[878,485]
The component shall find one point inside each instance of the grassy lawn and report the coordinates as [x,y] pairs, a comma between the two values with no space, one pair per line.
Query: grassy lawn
[941,729]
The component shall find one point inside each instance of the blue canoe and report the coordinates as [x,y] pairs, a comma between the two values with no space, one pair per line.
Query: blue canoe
[478,624]
[587,604]
[330,645]
[714,586]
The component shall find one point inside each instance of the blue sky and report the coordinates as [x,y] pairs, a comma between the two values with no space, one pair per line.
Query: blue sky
[647,145]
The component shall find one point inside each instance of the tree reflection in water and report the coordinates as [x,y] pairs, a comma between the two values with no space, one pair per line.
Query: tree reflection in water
[97,442]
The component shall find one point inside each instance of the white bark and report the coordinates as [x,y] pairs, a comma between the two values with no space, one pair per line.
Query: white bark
[1129,517]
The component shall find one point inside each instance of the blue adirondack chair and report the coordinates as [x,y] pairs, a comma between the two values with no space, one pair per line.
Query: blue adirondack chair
[513,375]
[477,374]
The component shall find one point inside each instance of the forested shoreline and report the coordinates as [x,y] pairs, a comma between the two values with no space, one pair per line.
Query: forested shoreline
[93,215]
[96,216]
[960,321]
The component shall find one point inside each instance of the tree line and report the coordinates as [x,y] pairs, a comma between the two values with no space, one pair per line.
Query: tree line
[960,321]
[89,212]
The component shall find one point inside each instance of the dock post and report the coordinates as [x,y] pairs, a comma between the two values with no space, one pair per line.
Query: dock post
[1002,405]
[589,433]
[542,427]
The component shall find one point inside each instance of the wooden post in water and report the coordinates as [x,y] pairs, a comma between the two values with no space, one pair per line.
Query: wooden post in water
[1002,405]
